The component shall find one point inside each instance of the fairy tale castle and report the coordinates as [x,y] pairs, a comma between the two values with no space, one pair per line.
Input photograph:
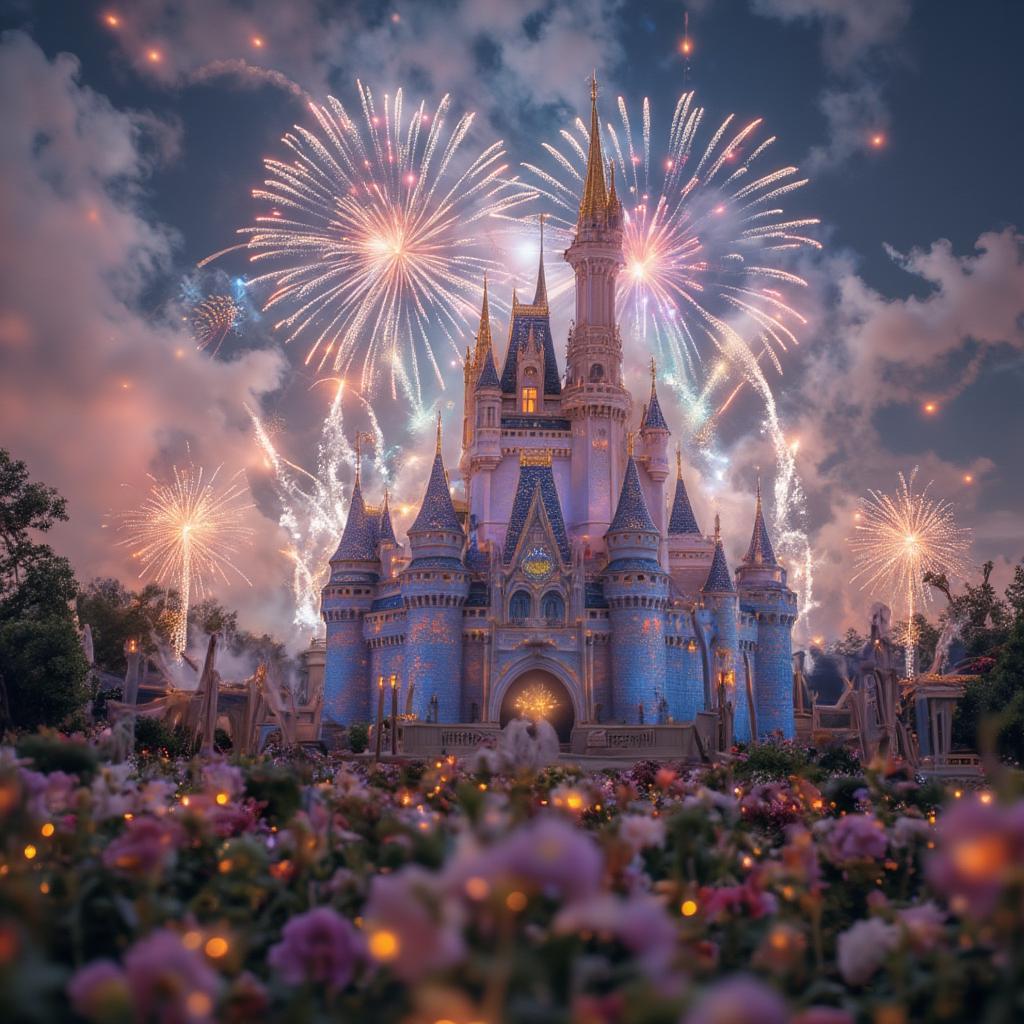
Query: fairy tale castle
[568,578]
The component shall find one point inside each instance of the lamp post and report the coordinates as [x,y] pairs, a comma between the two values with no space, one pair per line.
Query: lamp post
[394,715]
[380,717]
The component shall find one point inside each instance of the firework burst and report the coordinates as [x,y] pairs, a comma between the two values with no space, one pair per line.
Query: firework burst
[705,283]
[212,319]
[898,538]
[187,532]
[373,236]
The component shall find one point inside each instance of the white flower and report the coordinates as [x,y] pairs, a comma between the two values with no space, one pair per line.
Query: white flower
[863,948]
[641,831]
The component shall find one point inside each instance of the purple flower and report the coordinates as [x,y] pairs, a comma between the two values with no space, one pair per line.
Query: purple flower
[640,831]
[99,991]
[549,855]
[639,923]
[979,846]
[411,924]
[738,1000]
[857,837]
[862,949]
[170,984]
[319,946]
[923,925]
[145,847]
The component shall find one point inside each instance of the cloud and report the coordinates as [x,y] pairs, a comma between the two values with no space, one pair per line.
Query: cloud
[850,28]
[530,52]
[94,393]
[878,353]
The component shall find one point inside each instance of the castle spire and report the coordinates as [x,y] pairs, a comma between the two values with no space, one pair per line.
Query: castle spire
[719,579]
[594,204]
[631,513]
[437,446]
[760,551]
[681,519]
[540,297]
[653,418]
[483,334]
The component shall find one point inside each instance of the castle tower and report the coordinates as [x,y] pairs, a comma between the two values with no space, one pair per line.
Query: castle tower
[595,400]
[654,435]
[719,596]
[387,543]
[763,592]
[435,585]
[636,590]
[482,453]
[346,598]
[689,551]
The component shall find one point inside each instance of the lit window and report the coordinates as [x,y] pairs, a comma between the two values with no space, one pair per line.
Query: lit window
[529,399]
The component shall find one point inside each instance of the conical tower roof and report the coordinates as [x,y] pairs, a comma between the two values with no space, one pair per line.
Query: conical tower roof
[483,334]
[488,374]
[681,520]
[631,513]
[540,296]
[436,510]
[654,418]
[760,551]
[594,202]
[386,532]
[719,579]
[358,539]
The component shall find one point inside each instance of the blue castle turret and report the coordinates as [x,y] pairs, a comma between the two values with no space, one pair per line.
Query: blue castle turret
[636,589]
[355,570]
[764,593]
[719,597]
[434,587]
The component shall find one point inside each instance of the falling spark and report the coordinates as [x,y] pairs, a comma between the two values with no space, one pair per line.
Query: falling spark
[372,231]
[314,504]
[901,537]
[705,284]
[187,532]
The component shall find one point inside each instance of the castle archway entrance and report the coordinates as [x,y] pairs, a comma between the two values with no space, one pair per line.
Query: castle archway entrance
[538,693]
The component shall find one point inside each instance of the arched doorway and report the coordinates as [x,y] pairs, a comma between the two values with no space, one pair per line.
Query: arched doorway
[539,693]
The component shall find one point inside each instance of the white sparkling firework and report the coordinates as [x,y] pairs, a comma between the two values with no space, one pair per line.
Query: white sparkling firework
[187,532]
[374,238]
[314,504]
[898,538]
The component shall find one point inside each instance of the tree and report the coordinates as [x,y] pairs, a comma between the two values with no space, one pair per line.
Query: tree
[1015,592]
[926,639]
[116,614]
[991,711]
[851,644]
[42,667]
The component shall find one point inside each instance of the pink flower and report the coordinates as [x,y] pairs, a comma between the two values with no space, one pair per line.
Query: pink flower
[746,900]
[862,949]
[979,847]
[145,847]
[169,983]
[48,794]
[738,1000]
[857,837]
[639,923]
[411,924]
[641,831]
[99,991]
[923,925]
[319,946]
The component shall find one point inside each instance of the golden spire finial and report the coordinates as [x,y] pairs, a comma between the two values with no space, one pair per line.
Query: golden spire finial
[437,447]
[718,529]
[679,462]
[629,444]
[483,334]
[654,374]
[359,456]
[594,204]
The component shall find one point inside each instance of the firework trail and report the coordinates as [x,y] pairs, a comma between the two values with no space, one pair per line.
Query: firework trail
[704,285]
[373,238]
[901,537]
[187,532]
[314,504]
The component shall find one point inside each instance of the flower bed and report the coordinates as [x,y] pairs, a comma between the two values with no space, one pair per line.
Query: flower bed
[311,888]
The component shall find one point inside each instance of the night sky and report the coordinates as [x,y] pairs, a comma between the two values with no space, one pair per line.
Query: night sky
[119,172]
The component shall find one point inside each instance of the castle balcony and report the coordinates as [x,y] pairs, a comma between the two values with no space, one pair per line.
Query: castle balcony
[537,634]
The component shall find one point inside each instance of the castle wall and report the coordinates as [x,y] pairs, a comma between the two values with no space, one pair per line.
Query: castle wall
[773,677]
[474,654]
[637,662]
[684,683]
[346,674]
[433,663]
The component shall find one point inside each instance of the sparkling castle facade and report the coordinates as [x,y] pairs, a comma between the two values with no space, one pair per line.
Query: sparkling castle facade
[575,574]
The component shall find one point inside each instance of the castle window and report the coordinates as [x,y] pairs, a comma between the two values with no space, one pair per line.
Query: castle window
[490,417]
[519,607]
[596,373]
[552,608]
[529,399]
